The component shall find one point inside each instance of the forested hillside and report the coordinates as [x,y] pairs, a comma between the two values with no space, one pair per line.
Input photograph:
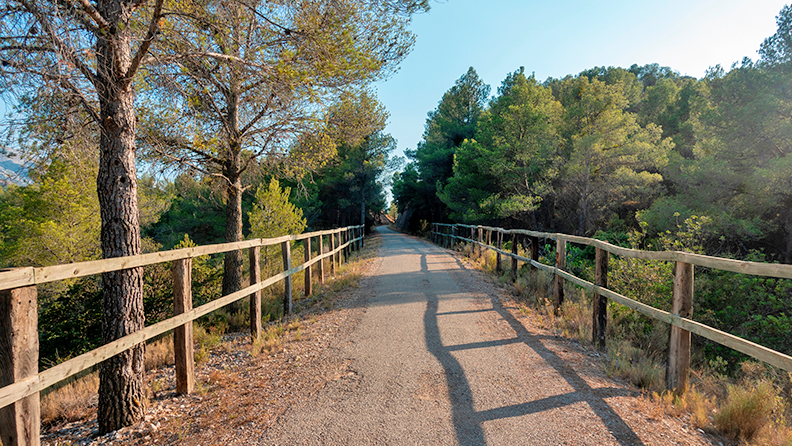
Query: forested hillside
[612,150]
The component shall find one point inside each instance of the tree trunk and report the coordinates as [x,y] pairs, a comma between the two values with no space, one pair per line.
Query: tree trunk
[363,206]
[232,266]
[121,378]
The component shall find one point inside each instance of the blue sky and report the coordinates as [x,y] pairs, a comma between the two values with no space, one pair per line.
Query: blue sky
[556,38]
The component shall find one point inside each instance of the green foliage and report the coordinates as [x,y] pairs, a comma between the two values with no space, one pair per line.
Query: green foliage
[195,209]
[350,186]
[509,168]
[273,214]
[53,221]
[447,127]
[206,275]
[71,322]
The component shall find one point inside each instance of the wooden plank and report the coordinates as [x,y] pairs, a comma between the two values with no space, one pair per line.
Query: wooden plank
[558,290]
[254,255]
[183,335]
[307,251]
[320,250]
[600,303]
[287,294]
[20,422]
[679,343]
[16,278]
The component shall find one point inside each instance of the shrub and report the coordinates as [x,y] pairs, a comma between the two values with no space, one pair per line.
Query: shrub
[747,409]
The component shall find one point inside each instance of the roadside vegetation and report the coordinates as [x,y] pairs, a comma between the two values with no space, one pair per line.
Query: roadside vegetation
[749,403]
[215,334]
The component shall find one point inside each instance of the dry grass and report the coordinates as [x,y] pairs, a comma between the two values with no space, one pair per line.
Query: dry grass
[630,363]
[205,341]
[72,402]
[748,408]
[160,353]
[697,404]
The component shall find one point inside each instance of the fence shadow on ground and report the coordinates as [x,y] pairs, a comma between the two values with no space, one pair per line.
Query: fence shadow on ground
[468,423]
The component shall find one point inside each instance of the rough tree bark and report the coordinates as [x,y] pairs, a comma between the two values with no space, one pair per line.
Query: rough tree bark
[121,378]
[232,172]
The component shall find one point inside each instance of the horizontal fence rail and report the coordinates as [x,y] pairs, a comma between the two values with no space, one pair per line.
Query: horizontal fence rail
[15,281]
[448,235]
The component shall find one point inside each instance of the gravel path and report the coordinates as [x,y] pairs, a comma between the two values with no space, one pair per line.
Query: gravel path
[436,359]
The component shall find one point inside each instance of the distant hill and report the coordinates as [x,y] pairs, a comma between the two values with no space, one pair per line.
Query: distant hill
[11,172]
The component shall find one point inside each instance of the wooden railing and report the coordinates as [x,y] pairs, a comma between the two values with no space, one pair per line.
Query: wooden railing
[19,376]
[682,326]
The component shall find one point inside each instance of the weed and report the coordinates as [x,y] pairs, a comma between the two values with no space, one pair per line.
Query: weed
[201,355]
[293,325]
[207,339]
[747,409]
[693,401]
[630,363]
[157,385]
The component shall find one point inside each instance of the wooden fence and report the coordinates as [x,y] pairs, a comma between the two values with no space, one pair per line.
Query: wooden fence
[19,377]
[682,326]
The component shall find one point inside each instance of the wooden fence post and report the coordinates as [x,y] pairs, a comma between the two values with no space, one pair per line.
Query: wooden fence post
[183,335]
[334,257]
[307,251]
[454,231]
[287,283]
[534,252]
[321,262]
[600,304]
[20,423]
[679,343]
[513,260]
[255,299]
[558,292]
[498,259]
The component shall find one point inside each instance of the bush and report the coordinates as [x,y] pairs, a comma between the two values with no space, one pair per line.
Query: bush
[748,409]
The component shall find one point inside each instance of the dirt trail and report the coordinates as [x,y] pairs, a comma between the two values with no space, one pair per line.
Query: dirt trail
[436,359]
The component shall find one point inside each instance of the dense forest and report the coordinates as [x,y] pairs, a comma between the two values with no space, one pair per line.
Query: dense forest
[640,156]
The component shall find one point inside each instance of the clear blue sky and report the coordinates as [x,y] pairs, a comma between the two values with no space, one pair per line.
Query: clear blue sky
[556,38]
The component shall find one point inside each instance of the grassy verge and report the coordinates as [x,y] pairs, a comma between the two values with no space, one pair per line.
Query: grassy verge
[751,407]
